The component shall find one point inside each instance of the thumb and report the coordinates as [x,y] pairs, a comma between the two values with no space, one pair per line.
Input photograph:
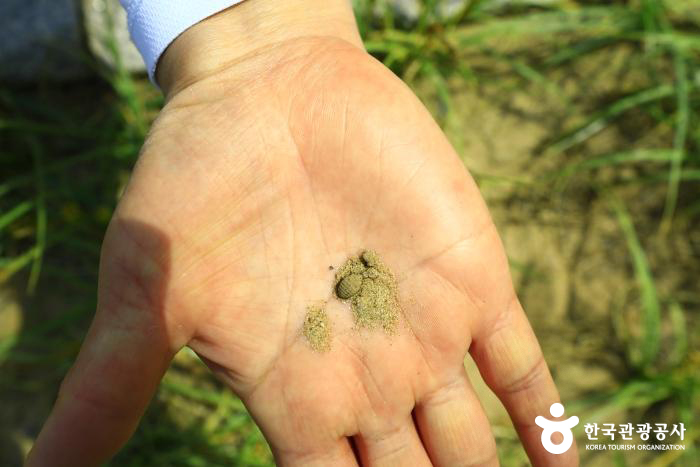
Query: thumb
[127,349]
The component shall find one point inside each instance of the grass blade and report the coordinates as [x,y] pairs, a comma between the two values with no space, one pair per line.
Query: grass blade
[41,215]
[680,334]
[441,89]
[15,213]
[579,49]
[10,266]
[615,158]
[601,119]
[650,302]
[679,140]
[598,20]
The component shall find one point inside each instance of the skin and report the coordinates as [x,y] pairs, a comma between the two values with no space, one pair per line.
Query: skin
[268,164]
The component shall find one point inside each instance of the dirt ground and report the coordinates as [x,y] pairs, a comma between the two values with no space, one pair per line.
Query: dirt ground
[569,258]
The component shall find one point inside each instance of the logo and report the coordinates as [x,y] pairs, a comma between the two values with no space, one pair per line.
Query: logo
[652,435]
[549,427]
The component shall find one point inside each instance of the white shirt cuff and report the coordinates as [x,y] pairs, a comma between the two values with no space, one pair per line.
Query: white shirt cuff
[154,24]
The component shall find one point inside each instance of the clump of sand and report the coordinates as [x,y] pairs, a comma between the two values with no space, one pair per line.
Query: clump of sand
[317,328]
[370,287]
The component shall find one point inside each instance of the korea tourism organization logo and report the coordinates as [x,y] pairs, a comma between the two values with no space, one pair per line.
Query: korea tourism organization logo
[665,437]
[549,427]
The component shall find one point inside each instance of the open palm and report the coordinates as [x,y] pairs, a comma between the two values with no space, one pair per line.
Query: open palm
[247,194]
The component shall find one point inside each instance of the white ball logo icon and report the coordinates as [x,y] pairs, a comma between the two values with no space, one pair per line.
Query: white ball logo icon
[549,427]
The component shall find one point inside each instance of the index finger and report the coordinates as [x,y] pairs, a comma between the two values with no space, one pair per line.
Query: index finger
[511,362]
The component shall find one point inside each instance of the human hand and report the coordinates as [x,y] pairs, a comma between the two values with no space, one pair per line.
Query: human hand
[258,175]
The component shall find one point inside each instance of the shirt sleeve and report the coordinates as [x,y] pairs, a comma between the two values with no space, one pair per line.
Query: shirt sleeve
[154,24]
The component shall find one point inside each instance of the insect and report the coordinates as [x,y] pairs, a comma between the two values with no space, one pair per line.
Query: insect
[349,286]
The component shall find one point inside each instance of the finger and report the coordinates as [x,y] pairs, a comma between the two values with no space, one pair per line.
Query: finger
[338,454]
[106,391]
[511,362]
[399,445]
[454,426]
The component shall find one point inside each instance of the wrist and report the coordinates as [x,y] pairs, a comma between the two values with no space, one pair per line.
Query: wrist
[228,36]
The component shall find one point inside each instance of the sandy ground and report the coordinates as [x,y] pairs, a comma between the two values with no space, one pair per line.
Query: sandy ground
[569,258]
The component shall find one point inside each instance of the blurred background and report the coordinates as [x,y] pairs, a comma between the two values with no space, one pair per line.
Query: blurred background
[578,119]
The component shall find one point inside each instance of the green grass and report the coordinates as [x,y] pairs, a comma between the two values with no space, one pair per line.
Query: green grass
[66,152]
[645,349]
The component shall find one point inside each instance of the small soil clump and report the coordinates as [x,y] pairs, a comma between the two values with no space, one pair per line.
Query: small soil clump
[368,284]
[317,328]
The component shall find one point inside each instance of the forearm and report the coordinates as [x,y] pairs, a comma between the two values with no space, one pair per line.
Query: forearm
[223,39]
